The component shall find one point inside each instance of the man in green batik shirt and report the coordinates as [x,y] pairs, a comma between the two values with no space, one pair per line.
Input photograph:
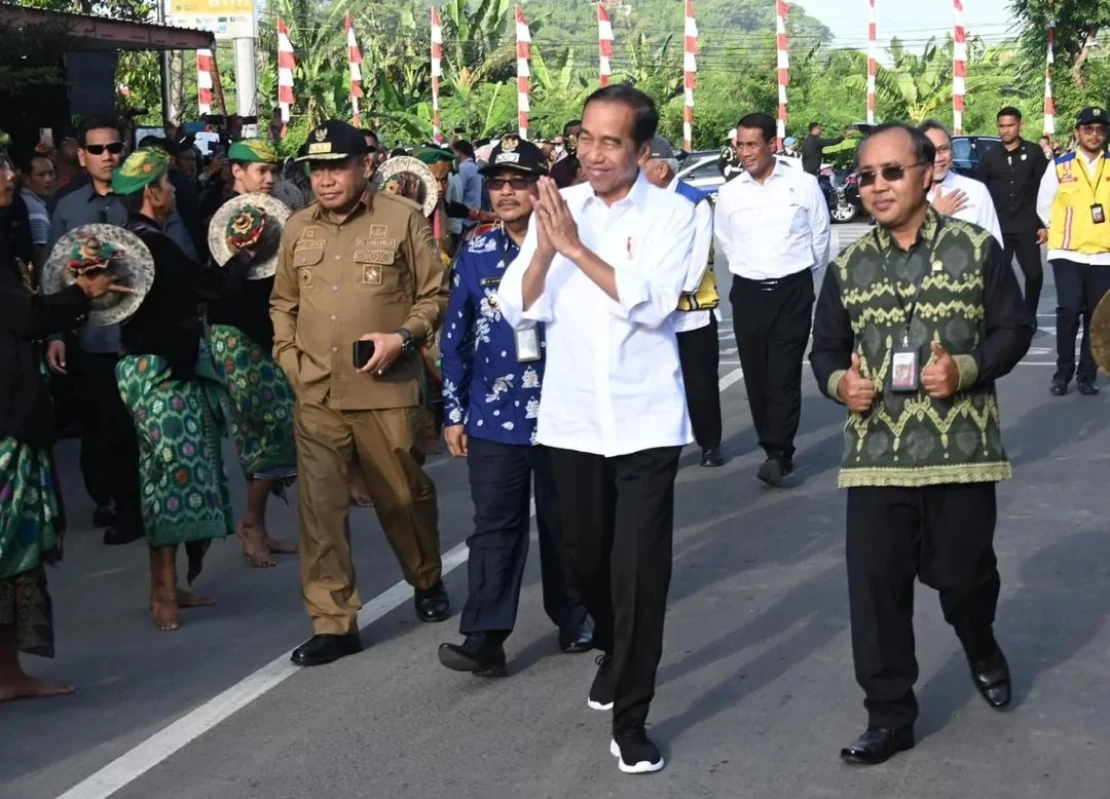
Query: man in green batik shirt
[914,323]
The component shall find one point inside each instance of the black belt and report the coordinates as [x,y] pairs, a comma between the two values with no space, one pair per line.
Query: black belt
[772,284]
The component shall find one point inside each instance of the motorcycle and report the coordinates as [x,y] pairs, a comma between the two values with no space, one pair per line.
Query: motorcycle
[841,190]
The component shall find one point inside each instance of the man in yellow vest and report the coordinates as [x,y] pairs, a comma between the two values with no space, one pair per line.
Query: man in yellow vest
[1074,199]
[695,321]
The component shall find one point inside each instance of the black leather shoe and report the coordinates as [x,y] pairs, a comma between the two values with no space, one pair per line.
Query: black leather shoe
[992,679]
[122,534]
[878,745]
[577,639]
[482,654]
[711,457]
[432,603]
[774,469]
[105,514]
[1087,388]
[321,649]
[1059,387]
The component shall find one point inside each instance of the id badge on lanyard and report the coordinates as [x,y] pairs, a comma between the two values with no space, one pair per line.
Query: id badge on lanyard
[527,345]
[904,357]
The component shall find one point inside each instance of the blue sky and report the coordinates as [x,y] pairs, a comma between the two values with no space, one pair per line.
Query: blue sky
[913,20]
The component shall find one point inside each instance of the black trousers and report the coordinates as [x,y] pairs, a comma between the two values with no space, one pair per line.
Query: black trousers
[501,480]
[1079,287]
[618,527]
[945,536]
[109,448]
[772,320]
[1024,247]
[700,355]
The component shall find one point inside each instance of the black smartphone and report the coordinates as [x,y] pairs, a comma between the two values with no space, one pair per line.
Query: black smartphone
[363,352]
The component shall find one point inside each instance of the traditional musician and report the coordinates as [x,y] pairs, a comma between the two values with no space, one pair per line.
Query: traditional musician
[249,225]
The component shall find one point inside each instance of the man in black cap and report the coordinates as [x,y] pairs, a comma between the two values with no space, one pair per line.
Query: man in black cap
[1074,199]
[491,391]
[695,322]
[359,287]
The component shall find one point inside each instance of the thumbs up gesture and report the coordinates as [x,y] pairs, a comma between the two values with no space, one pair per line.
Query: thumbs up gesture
[854,390]
[941,378]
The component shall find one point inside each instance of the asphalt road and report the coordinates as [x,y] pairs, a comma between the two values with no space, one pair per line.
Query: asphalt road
[756,693]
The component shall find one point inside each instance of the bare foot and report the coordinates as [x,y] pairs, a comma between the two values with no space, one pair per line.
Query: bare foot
[187,600]
[279,547]
[32,688]
[253,539]
[163,606]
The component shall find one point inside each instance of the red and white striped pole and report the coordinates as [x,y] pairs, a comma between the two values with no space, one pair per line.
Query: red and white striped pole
[354,57]
[872,62]
[523,73]
[1049,102]
[286,64]
[437,73]
[204,81]
[959,68]
[604,45]
[689,76]
[781,10]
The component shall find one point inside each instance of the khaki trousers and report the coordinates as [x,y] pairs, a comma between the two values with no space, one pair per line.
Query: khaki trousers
[388,445]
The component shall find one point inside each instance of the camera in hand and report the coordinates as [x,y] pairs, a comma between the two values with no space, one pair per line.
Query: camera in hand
[363,352]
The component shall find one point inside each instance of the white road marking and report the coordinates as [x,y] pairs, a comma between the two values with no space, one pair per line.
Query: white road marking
[131,765]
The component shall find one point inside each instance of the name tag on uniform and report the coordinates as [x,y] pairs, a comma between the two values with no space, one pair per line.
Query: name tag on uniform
[527,345]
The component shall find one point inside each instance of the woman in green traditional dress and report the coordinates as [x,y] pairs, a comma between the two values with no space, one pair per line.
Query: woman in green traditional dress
[30,529]
[168,381]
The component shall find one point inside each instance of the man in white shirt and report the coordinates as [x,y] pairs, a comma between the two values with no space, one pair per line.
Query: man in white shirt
[1074,199]
[772,224]
[954,195]
[695,321]
[603,266]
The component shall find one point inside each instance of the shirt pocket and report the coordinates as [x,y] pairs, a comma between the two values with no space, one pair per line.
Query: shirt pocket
[306,263]
[378,270]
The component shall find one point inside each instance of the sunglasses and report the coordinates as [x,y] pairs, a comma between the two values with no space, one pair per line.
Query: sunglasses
[891,173]
[115,148]
[517,184]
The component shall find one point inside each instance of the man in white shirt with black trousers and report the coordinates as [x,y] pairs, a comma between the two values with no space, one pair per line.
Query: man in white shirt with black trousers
[772,224]
[603,266]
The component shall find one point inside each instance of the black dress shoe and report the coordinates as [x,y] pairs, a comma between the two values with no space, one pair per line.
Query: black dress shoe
[482,654]
[577,639]
[105,514]
[1087,388]
[711,457]
[321,649]
[878,745]
[432,603]
[1059,387]
[122,534]
[774,469]
[992,679]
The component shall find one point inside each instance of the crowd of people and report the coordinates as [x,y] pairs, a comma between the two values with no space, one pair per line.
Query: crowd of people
[550,310]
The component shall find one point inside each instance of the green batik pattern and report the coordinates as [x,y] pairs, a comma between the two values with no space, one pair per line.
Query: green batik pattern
[29,512]
[184,491]
[911,439]
[261,403]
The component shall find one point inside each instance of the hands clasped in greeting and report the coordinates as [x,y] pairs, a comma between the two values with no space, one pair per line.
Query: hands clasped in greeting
[555,227]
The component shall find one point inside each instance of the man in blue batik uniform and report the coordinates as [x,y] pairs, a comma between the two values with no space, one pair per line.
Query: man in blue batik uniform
[491,394]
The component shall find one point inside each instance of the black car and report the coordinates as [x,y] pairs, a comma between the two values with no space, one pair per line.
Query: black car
[967,150]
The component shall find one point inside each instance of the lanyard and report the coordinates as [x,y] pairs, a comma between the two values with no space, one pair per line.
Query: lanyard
[908,312]
[1087,176]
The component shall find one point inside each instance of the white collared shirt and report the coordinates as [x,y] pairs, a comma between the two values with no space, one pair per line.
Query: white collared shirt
[1046,197]
[979,209]
[699,262]
[612,383]
[772,229]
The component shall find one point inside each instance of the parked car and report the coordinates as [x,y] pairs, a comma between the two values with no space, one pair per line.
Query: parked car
[967,150]
[701,171]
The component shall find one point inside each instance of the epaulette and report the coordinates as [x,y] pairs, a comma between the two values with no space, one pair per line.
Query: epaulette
[1063,159]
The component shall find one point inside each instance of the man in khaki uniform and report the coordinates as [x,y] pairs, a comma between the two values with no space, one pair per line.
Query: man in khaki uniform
[357,266]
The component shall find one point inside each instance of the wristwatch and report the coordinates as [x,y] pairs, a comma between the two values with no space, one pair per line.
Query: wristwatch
[408,344]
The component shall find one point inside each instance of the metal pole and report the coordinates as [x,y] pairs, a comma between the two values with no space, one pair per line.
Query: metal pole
[163,58]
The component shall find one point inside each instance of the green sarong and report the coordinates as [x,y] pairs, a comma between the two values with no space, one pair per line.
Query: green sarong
[261,405]
[184,491]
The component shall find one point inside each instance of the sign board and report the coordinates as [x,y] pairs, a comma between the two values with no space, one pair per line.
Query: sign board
[227,19]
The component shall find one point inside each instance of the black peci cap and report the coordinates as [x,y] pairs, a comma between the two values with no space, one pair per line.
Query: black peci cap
[333,140]
[517,154]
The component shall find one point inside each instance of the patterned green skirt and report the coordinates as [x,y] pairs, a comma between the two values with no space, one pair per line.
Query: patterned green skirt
[261,405]
[29,525]
[184,491]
